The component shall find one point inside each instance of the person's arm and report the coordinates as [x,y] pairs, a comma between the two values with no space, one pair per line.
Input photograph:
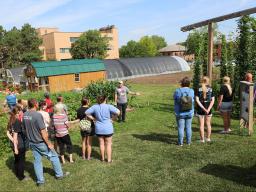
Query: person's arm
[200,104]
[115,98]
[44,134]
[219,101]
[211,104]
[9,135]
[15,143]
[89,113]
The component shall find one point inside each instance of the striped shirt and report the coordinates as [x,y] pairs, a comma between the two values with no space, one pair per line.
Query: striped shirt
[60,124]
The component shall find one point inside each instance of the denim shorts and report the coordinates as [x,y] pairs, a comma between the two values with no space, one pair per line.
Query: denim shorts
[226,106]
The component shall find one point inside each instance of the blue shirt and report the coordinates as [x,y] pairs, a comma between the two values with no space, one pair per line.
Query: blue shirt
[11,99]
[177,95]
[102,113]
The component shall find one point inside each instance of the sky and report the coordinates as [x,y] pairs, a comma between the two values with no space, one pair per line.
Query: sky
[133,18]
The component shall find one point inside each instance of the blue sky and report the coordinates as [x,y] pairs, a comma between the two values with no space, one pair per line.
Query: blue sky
[133,18]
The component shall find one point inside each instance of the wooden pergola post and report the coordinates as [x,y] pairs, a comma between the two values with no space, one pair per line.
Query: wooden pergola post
[210,51]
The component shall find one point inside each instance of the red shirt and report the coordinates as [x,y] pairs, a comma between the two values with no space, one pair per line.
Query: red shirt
[49,107]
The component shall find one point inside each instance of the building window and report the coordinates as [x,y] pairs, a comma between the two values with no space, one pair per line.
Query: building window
[77,77]
[64,50]
[73,39]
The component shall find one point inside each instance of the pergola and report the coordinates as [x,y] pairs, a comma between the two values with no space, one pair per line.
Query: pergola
[209,22]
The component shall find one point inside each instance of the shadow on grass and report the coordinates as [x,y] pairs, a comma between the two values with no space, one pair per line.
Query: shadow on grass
[162,107]
[78,150]
[240,175]
[165,138]
[29,167]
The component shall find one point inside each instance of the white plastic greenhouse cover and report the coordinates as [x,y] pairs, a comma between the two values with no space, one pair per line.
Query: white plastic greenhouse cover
[127,68]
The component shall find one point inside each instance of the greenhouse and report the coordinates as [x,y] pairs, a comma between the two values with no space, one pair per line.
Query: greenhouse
[128,68]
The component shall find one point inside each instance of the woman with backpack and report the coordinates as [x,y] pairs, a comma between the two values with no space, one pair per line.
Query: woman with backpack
[205,100]
[17,136]
[225,103]
[184,110]
[86,129]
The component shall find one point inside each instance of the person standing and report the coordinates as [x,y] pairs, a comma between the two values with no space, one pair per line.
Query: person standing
[85,134]
[46,116]
[184,110]
[60,123]
[103,125]
[17,137]
[39,143]
[225,103]
[11,100]
[121,99]
[205,99]
[49,103]
[60,104]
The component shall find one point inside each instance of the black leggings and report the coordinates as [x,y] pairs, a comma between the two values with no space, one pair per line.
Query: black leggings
[62,141]
[19,164]
[122,107]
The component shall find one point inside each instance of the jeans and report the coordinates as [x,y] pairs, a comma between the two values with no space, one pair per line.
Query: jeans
[39,150]
[19,163]
[184,123]
[122,107]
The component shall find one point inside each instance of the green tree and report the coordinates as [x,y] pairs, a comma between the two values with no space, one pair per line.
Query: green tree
[193,42]
[159,42]
[230,58]
[132,49]
[197,64]
[90,45]
[242,53]
[223,62]
[30,43]
[148,47]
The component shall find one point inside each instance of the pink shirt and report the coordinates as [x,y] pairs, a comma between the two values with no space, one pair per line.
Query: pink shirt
[60,124]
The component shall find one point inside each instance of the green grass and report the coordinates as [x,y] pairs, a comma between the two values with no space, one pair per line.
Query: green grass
[146,157]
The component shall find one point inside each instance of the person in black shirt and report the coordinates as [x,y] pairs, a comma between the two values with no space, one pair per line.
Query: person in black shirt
[86,136]
[17,136]
[225,103]
[205,100]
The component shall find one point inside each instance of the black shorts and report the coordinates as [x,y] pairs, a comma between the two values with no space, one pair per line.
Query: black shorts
[85,133]
[107,135]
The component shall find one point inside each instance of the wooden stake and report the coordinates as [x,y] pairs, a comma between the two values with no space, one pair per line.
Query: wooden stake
[210,51]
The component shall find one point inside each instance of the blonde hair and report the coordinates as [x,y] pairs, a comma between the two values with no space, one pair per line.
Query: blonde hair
[58,109]
[226,82]
[204,82]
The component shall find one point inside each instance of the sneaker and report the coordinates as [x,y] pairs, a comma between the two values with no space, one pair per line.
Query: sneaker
[26,178]
[39,184]
[180,145]
[64,175]
[223,132]
[208,140]
[229,130]
[202,141]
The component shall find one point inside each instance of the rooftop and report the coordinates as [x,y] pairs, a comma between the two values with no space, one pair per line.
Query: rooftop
[173,48]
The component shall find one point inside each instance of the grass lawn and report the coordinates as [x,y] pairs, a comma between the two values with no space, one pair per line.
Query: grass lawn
[146,157]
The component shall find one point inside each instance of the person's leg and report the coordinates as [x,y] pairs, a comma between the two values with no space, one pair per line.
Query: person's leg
[83,147]
[201,125]
[124,106]
[61,149]
[188,124]
[228,121]
[38,166]
[209,127]
[108,141]
[67,141]
[181,125]
[89,146]
[102,148]
[224,115]
[119,106]
[21,164]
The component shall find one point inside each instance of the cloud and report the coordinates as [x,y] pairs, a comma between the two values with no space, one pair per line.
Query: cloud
[18,12]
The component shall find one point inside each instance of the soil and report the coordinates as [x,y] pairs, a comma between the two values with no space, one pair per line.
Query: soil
[173,78]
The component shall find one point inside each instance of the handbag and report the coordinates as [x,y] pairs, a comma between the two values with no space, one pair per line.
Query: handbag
[85,125]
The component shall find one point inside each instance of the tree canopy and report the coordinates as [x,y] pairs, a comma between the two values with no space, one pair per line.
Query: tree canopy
[19,46]
[147,46]
[90,45]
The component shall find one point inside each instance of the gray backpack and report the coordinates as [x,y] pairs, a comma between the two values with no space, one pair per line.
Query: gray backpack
[185,102]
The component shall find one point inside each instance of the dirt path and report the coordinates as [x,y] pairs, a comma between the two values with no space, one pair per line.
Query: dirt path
[162,79]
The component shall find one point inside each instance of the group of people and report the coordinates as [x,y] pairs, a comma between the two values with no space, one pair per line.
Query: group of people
[185,100]
[43,127]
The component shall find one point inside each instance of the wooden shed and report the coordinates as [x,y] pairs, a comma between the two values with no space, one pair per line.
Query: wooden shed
[66,75]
